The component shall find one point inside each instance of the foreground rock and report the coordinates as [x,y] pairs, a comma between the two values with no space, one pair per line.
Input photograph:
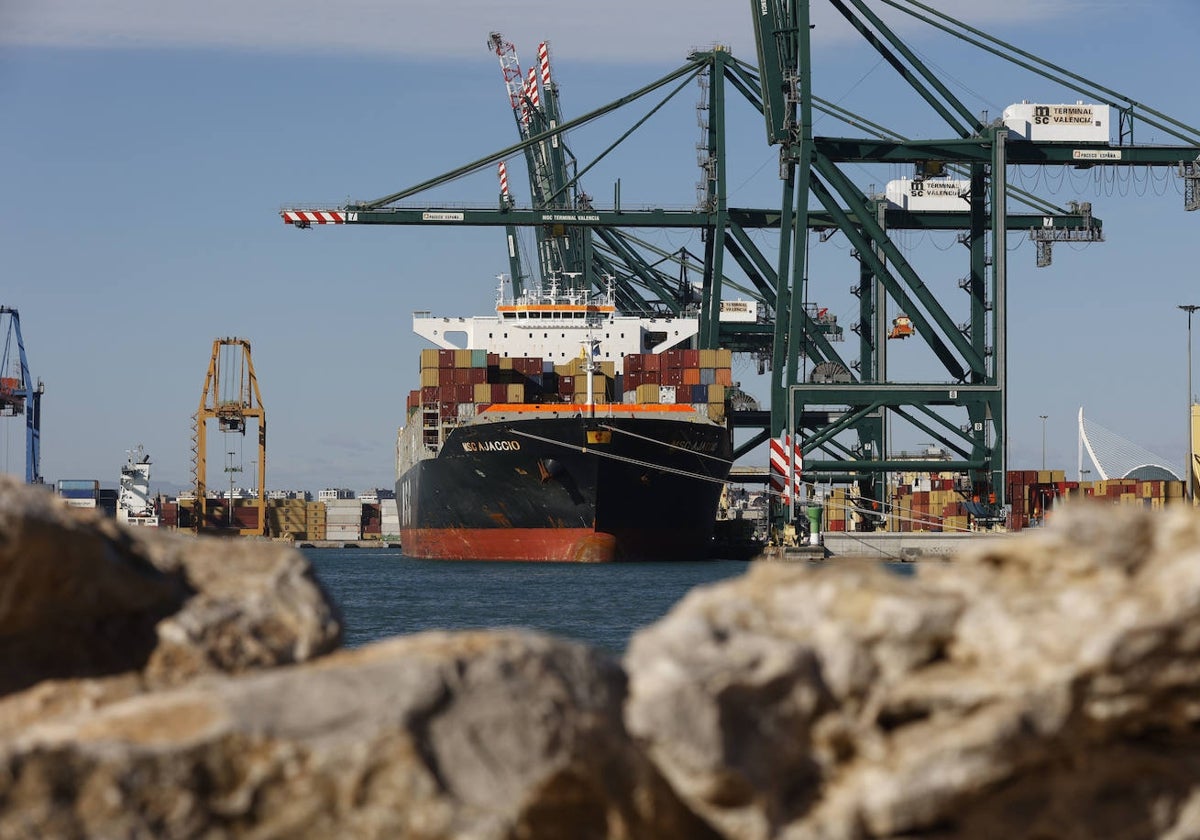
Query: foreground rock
[433,736]
[1044,686]
[1041,686]
[81,596]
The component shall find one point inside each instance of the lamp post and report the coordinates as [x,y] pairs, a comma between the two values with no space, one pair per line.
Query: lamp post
[1189,308]
[1043,416]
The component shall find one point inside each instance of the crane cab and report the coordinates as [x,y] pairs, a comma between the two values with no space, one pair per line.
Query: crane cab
[901,327]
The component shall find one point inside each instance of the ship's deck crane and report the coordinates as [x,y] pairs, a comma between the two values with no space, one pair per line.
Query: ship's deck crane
[20,395]
[230,396]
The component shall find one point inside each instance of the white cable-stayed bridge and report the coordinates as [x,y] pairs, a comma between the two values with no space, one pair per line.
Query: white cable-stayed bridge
[1113,456]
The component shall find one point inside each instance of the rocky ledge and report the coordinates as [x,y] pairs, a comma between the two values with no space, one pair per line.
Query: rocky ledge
[1044,686]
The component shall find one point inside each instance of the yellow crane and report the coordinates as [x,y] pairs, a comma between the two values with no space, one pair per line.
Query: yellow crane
[231,397]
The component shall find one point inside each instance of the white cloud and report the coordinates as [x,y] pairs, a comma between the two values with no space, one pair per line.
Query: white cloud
[617,30]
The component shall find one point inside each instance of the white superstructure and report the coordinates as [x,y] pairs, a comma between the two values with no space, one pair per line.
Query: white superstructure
[553,324]
[134,505]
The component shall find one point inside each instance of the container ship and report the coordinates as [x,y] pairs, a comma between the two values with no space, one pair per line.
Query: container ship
[134,504]
[525,442]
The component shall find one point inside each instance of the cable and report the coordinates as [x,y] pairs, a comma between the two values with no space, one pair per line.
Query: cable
[624,459]
[664,443]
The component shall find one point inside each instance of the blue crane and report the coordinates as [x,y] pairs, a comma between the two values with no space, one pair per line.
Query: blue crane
[18,394]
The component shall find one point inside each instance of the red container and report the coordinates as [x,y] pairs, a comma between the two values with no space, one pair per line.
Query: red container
[672,376]
[445,359]
[651,362]
[245,517]
[691,358]
[674,359]
[430,395]
[634,363]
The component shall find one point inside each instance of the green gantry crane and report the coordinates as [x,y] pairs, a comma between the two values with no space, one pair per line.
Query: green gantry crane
[841,408]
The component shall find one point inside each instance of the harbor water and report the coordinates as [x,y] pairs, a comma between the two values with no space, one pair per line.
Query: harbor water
[382,593]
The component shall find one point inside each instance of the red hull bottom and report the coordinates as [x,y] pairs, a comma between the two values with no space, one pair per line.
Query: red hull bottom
[569,545]
[551,545]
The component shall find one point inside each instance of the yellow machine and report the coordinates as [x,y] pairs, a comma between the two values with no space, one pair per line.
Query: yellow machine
[230,396]
[901,327]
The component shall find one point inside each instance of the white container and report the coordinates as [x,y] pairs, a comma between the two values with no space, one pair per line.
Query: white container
[343,532]
[932,195]
[1078,123]
[666,394]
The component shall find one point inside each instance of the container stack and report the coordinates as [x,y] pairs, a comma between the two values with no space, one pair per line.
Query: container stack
[287,518]
[343,519]
[696,377]
[245,515]
[1034,494]
[372,521]
[389,524]
[458,384]
[314,515]
[928,503]
[923,503]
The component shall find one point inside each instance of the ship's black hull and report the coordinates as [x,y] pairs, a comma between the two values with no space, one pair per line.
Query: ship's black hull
[567,488]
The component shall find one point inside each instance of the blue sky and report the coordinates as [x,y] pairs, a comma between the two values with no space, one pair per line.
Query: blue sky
[146,149]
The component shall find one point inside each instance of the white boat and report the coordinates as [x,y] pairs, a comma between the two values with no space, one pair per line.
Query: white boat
[134,505]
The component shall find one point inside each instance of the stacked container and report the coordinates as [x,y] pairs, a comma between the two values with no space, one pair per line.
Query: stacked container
[314,516]
[287,518]
[343,519]
[389,520]
[371,521]
[457,384]
[696,377]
